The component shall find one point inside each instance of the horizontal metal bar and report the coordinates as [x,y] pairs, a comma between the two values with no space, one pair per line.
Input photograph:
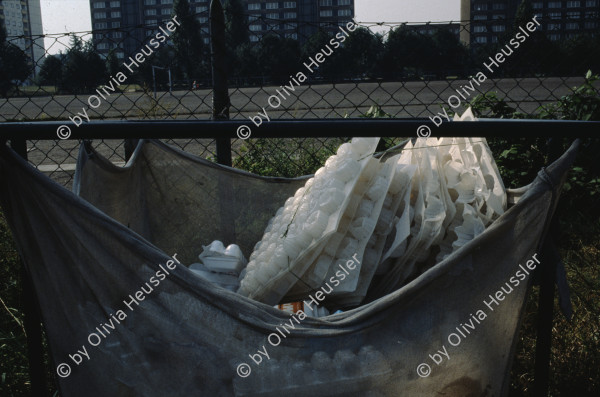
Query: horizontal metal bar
[363,127]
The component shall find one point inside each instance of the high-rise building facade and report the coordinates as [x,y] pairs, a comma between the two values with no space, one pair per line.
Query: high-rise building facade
[297,19]
[22,20]
[485,21]
[293,19]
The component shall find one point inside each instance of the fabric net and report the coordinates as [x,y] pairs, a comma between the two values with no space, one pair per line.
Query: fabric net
[89,253]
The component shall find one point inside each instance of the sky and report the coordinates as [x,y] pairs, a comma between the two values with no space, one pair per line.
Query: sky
[59,16]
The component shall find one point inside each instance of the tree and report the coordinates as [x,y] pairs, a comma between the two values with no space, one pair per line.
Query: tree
[187,43]
[407,53]
[278,58]
[112,63]
[361,53]
[83,69]
[236,24]
[533,56]
[14,65]
[449,54]
[51,71]
[236,35]
[330,69]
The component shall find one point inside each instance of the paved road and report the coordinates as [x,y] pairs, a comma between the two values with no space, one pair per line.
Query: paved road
[409,99]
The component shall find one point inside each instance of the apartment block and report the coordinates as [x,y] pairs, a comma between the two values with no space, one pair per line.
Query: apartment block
[485,21]
[297,19]
[22,20]
[112,20]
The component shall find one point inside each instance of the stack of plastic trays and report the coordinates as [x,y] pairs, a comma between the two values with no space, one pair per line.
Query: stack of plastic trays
[400,178]
[303,227]
[349,240]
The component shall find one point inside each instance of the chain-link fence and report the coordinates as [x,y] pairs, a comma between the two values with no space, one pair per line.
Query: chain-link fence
[405,69]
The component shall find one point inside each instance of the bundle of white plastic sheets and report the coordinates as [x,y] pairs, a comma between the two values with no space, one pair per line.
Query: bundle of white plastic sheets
[392,219]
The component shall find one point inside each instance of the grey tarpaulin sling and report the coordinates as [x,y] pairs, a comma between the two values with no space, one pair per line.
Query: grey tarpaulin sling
[188,337]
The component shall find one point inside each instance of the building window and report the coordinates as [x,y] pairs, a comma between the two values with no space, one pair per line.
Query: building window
[289,15]
[325,3]
[149,2]
[115,24]
[102,46]
[165,11]
[120,55]
[166,1]
[252,18]
[537,5]
[203,19]
[573,15]
[554,4]
[201,9]
[591,3]
[499,6]
[291,36]
[98,15]
[100,5]
[591,25]
[554,26]
[498,28]
[272,6]
[255,28]
[253,38]
[152,22]
[555,15]
[273,15]
[206,40]
[573,4]
[343,2]
[150,11]
[479,29]
[481,7]
[497,17]
[115,4]
[481,39]
[100,25]
[117,35]
[494,39]
[572,26]
[292,26]
[115,14]
[344,13]
[480,17]
[289,4]
[325,13]
[254,6]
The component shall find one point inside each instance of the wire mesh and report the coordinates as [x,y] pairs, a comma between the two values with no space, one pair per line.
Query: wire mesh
[405,69]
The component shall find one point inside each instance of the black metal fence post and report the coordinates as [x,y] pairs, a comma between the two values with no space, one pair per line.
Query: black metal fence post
[219,76]
[543,345]
[32,321]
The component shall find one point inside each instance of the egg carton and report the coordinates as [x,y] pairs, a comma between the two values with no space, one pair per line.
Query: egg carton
[350,238]
[398,188]
[303,227]
[430,213]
